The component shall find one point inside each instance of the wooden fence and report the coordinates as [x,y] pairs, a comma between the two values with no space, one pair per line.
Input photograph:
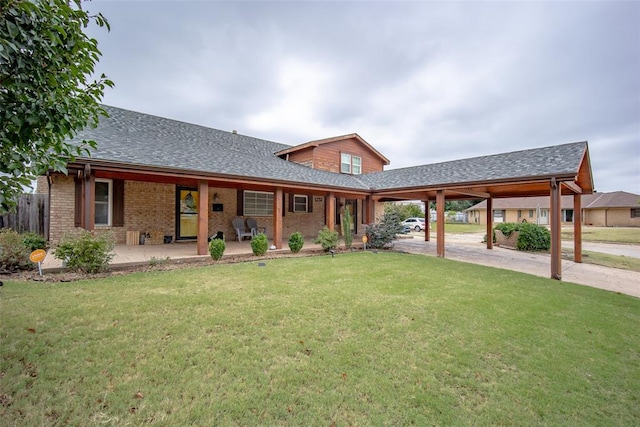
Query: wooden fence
[31,215]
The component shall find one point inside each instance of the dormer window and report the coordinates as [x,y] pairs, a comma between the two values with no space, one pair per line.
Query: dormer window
[350,164]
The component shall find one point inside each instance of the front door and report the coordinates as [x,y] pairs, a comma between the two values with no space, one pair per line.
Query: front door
[186,213]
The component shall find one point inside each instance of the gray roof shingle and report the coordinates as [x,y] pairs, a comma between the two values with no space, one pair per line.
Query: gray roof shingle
[538,162]
[134,138]
[139,139]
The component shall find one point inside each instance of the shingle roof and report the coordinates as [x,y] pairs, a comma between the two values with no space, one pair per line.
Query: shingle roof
[538,162]
[616,199]
[137,139]
[134,138]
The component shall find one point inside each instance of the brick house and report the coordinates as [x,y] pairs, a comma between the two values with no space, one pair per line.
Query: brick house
[615,209]
[187,181]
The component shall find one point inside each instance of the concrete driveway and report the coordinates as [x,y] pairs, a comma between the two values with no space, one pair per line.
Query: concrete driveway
[469,248]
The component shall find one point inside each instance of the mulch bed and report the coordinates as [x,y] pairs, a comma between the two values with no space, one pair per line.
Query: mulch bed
[156,265]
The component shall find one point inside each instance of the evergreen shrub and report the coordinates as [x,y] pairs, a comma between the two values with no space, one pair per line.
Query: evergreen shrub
[296,241]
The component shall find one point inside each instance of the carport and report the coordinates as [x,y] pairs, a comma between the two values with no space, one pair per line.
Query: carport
[550,171]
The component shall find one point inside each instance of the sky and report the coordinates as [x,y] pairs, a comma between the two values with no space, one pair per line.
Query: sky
[423,82]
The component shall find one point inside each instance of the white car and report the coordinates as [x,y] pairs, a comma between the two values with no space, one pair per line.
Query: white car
[415,223]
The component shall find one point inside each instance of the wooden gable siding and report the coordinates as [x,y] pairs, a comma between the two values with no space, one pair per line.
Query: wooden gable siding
[303,157]
[327,156]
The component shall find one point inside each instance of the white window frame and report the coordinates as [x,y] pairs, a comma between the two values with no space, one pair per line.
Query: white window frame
[350,164]
[257,203]
[109,203]
[345,163]
[295,202]
[356,165]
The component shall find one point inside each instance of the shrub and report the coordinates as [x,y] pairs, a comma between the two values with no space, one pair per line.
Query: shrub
[328,239]
[259,244]
[381,235]
[507,228]
[296,241]
[14,255]
[533,237]
[346,229]
[33,241]
[216,248]
[86,251]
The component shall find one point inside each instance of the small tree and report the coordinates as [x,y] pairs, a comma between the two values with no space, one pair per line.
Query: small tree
[346,229]
[296,241]
[216,248]
[47,97]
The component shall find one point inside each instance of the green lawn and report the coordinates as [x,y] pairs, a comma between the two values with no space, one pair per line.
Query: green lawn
[629,235]
[359,339]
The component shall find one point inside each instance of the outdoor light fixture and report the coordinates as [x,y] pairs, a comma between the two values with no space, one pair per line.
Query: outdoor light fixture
[215,197]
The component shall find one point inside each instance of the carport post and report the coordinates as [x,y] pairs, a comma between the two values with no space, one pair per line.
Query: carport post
[489,223]
[440,223]
[577,227]
[556,243]
[427,220]
[203,218]
[277,218]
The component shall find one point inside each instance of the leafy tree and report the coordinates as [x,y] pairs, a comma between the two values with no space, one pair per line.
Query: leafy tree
[46,90]
[404,211]
[456,205]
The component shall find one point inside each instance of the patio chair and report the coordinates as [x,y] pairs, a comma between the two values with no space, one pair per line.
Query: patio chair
[241,231]
[252,223]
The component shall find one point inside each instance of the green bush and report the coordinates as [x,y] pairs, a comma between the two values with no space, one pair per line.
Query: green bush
[33,241]
[381,235]
[86,251]
[216,248]
[259,244]
[14,255]
[533,237]
[346,229]
[296,241]
[328,239]
[507,228]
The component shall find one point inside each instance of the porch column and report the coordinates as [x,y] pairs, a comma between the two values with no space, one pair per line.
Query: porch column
[440,223]
[368,210]
[203,218]
[89,185]
[556,243]
[330,210]
[427,220]
[277,218]
[577,227]
[489,223]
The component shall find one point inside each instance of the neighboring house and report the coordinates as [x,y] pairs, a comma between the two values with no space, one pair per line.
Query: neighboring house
[188,181]
[616,209]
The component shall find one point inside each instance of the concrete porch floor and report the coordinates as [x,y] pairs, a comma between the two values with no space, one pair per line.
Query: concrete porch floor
[125,255]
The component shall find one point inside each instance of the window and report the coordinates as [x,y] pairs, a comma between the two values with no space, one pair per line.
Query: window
[345,163]
[635,213]
[567,215]
[356,165]
[519,214]
[258,203]
[530,213]
[300,203]
[103,201]
[350,164]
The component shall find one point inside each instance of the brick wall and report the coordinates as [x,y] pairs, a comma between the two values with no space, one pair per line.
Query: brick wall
[62,207]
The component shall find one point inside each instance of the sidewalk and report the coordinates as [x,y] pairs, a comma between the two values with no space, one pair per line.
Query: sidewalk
[469,248]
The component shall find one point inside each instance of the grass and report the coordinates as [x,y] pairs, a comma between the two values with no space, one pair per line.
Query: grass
[607,260]
[628,235]
[359,339]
